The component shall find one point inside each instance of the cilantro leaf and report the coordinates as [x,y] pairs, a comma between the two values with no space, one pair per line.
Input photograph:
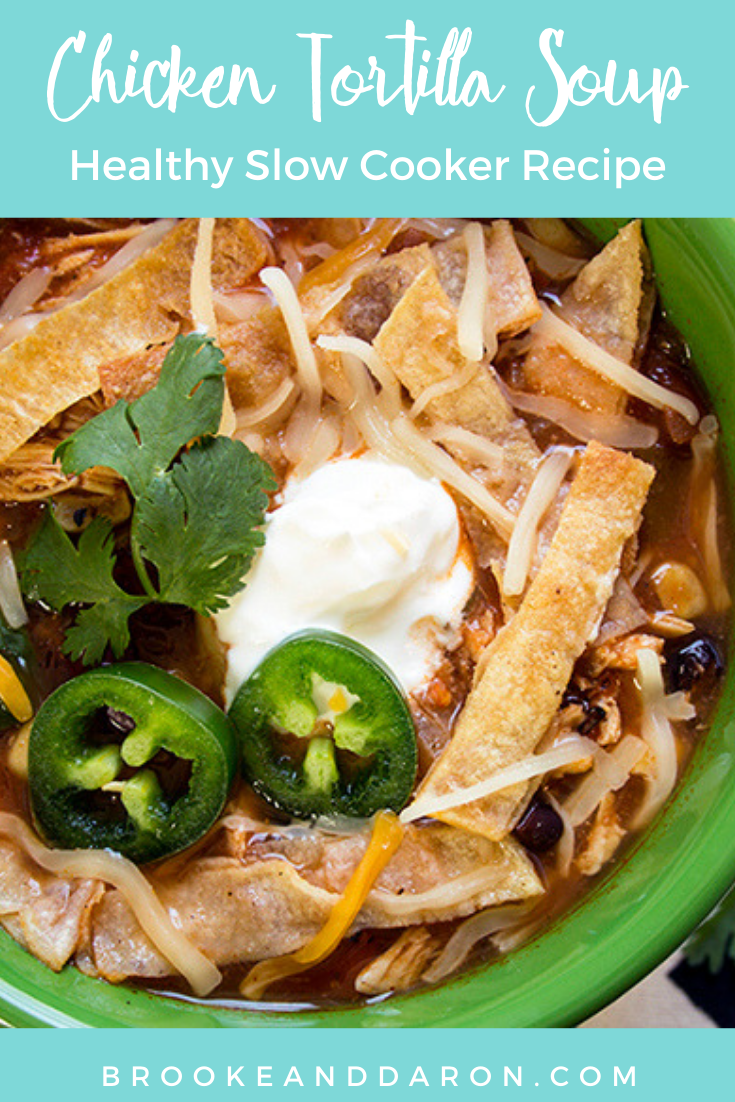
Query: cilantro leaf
[55,571]
[141,439]
[196,518]
[200,535]
[714,940]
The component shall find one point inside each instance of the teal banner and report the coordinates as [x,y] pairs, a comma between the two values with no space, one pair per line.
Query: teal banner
[333,108]
[444,1064]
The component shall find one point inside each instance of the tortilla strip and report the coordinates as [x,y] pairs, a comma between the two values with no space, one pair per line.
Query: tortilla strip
[524,671]
[265,907]
[376,294]
[510,290]
[258,356]
[58,363]
[46,913]
[419,343]
[604,303]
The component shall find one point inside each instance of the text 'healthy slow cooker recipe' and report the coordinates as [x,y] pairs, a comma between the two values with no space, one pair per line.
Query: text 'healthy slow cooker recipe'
[362,592]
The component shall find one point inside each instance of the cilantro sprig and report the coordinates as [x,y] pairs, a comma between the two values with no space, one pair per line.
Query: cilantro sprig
[714,941]
[197,514]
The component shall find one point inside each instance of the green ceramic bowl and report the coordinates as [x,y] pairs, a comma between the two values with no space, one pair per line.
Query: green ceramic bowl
[646,905]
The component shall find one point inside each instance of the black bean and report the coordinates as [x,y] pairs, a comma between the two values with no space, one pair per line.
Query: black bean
[593,718]
[692,658]
[540,828]
[575,695]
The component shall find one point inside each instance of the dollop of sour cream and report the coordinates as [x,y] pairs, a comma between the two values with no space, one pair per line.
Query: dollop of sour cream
[364,547]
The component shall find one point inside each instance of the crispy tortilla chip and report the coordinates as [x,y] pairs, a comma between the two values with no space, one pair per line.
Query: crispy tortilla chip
[258,356]
[604,303]
[526,668]
[376,294]
[510,290]
[264,907]
[46,913]
[58,363]
[419,343]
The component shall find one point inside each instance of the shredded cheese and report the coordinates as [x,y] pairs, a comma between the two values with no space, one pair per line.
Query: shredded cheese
[443,467]
[613,430]
[471,312]
[114,869]
[571,751]
[400,440]
[657,734]
[718,591]
[442,387]
[11,598]
[565,845]
[555,330]
[471,445]
[12,693]
[385,840]
[468,934]
[374,363]
[273,404]
[285,295]
[200,293]
[539,499]
[442,898]
[323,444]
[610,771]
[25,294]
[550,261]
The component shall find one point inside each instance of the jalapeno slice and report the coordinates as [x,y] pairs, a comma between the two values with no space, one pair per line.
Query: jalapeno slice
[324,728]
[129,758]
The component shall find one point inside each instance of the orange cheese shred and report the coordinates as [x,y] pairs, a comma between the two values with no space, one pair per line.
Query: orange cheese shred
[370,243]
[385,840]
[12,693]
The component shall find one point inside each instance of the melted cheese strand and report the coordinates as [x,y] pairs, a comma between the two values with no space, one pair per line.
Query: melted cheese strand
[443,467]
[715,578]
[200,285]
[114,869]
[471,312]
[400,440]
[201,297]
[550,261]
[657,734]
[556,331]
[472,445]
[468,934]
[539,499]
[367,355]
[610,771]
[442,387]
[386,838]
[565,845]
[307,369]
[614,430]
[457,891]
[249,418]
[570,752]
[25,294]
[11,598]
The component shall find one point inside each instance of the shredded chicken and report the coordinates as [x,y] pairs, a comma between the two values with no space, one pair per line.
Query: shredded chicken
[604,837]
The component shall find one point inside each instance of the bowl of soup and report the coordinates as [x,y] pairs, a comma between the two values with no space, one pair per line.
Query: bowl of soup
[365,588]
